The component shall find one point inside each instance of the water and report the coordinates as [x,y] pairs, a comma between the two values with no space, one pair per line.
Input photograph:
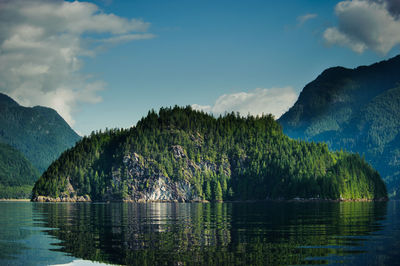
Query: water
[350,233]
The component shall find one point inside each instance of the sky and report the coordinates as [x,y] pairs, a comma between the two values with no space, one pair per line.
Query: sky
[106,63]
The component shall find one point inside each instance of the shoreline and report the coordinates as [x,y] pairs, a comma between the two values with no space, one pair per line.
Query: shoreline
[298,200]
[24,200]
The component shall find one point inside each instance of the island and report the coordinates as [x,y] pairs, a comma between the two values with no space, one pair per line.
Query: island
[180,154]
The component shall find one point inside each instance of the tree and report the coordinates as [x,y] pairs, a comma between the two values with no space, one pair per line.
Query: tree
[124,190]
[218,191]
[207,191]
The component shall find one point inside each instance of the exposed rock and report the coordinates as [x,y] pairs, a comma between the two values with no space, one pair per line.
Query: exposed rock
[197,139]
[70,188]
[179,152]
[163,188]
[145,185]
[85,198]
[143,181]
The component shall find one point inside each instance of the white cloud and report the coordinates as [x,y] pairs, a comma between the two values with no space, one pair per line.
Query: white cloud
[274,101]
[127,37]
[302,19]
[366,24]
[334,36]
[42,45]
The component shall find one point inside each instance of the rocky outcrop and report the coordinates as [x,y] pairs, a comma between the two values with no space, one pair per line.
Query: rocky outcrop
[178,151]
[143,181]
[69,195]
[85,198]
[161,188]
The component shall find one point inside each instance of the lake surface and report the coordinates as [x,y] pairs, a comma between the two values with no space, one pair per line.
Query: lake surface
[356,233]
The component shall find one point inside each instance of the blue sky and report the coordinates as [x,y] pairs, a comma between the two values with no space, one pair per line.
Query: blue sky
[247,56]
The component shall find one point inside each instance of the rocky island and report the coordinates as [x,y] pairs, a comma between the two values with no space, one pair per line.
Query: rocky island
[180,154]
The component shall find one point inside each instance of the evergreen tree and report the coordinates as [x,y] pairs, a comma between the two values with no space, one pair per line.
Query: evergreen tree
[218,192]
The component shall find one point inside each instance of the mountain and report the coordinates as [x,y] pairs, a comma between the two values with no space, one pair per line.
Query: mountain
[40,133]
[184,155]
[17,175]
[357,110]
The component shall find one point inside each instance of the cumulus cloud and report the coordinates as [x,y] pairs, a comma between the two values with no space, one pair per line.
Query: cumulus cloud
[302,19]
[43,44]
[392,5]
[274,101]
[366,24]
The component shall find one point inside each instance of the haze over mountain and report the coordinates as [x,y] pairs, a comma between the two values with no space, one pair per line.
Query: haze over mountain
[357,110]
[39,133]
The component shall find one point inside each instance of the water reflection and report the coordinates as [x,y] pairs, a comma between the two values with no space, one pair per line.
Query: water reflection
[220,233]
[21,239]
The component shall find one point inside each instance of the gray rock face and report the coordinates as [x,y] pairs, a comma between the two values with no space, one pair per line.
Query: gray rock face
[85,198]
[179,153]
[164,189]
[143,184]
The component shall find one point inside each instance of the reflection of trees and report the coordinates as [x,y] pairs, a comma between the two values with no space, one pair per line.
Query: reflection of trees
[220,233]
[295,232]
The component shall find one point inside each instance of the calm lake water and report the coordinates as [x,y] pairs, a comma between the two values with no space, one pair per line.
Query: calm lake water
[356,233]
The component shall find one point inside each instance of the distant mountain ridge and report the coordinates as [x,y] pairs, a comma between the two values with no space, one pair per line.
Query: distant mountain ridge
[354,109]
[17,174]
[31,138]
[40,133]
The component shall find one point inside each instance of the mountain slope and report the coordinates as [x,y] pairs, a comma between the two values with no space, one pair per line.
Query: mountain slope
[181,154]
[354,109]
[17,175]
[38,132]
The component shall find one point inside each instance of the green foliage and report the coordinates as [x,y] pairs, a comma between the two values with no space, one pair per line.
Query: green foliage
[15,192]
[217,191]
[17,175]
[207,190]
[38,132]
[229,157]
[357,110]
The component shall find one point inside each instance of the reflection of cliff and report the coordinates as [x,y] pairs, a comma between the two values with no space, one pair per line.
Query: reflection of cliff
[237,233]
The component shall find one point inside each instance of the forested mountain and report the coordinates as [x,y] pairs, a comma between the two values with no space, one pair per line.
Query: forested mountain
[181,154]
[38,132]
[17,175]
[357,110]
